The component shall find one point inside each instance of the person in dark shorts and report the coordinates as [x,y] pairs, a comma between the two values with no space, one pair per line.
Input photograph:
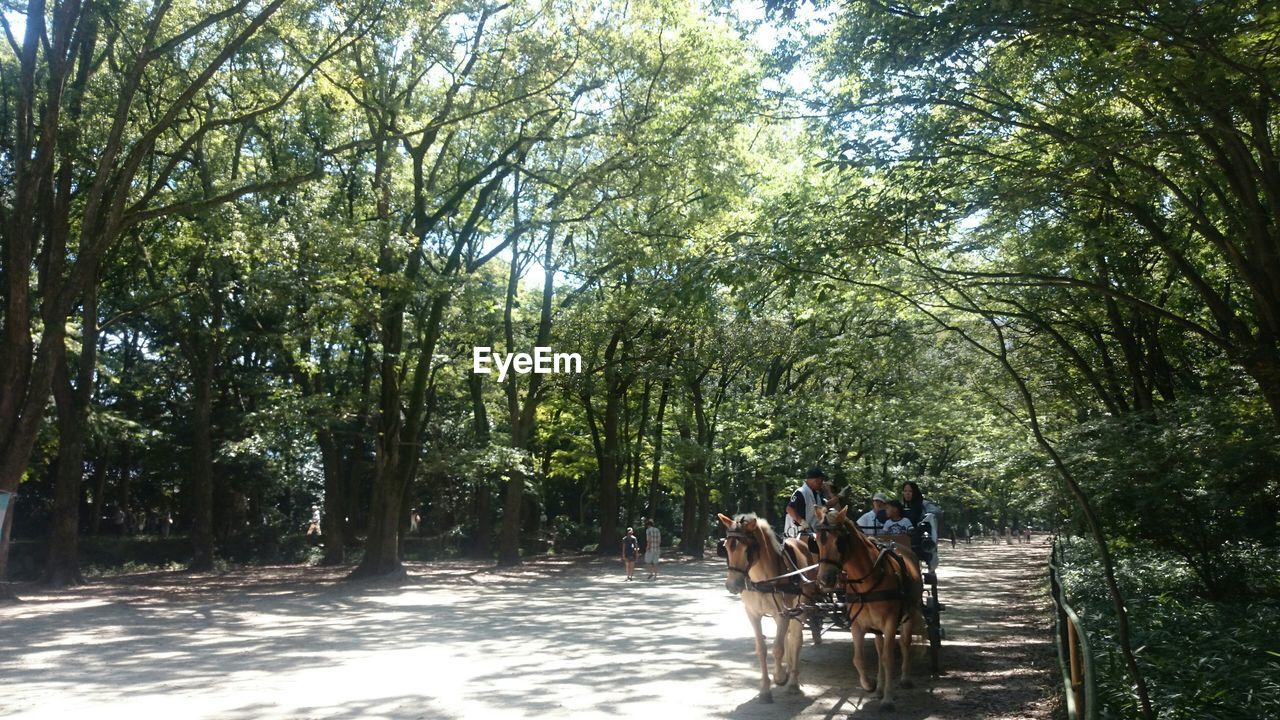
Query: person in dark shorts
[630,548]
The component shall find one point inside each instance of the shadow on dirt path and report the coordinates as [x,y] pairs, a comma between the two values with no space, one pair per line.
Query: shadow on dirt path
[557,638]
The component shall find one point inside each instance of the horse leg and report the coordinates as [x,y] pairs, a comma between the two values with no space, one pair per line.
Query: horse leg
[795,640]
[904,644]
[766,690]
[888,630]
[859,662]
[780,668]
[878,640]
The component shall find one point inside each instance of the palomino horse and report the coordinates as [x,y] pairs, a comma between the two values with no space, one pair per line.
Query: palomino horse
[757,564]
[882,587]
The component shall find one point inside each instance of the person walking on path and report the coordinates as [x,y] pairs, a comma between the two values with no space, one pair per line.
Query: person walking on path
[630,543]
[652,547]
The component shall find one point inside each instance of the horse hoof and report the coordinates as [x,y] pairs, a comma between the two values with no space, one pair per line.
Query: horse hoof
[906,683]
[869,687]
[766,698]
[886,707]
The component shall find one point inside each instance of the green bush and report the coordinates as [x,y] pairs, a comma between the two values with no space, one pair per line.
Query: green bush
[1203,660]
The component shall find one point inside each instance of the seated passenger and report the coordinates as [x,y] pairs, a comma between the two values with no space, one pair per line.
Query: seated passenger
[895,523]
[870,521]
[912,502]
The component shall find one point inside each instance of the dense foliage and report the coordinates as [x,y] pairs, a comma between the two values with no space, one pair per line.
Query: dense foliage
[1203,658]
[1026,254]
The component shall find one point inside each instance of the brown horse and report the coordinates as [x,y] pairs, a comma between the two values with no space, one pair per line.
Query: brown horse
[883,589]
[756,559]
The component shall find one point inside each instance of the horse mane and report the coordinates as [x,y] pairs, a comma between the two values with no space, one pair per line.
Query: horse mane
[763,527]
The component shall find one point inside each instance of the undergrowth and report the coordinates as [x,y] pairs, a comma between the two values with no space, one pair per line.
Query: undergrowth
[1203,659]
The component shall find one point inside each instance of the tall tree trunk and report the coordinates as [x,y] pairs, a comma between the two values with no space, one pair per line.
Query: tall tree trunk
[610,465]
[654,479]
[204,347]
[335,530]
[354,468]
[692,470]
[402,417]
[701,485]
[483,540]
[634,466]
[381,550]
[523,415]
[398,427]
[99,492]
[202,461]
[73,401]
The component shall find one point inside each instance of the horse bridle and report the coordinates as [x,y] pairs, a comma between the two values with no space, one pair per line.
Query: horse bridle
[843,529]
[747,540]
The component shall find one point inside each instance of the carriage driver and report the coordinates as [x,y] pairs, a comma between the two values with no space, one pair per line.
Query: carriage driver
[801,513]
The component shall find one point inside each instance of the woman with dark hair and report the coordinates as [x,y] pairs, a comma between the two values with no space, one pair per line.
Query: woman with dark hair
[912,502]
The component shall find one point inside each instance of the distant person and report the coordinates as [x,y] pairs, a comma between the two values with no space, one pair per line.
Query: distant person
[801,508]
[652,547]
[166,524]
[630,544]
[871,520]
[1026,534]
[896,523]
[1008,535]
[415,521]
[313,529]
[952,530]
[119,521]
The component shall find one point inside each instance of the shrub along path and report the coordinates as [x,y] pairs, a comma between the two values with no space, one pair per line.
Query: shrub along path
[558,638]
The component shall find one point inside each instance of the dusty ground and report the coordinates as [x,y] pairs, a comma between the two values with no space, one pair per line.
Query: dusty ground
[564,638]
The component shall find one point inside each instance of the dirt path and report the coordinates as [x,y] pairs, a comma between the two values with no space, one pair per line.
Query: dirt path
[557,639]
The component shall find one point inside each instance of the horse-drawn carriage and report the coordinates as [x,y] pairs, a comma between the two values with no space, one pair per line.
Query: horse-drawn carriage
[837,578]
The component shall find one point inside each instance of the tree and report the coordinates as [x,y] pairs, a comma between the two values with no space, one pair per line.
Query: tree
[128,90]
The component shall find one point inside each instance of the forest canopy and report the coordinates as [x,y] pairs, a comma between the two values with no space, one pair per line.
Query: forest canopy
[1026,255]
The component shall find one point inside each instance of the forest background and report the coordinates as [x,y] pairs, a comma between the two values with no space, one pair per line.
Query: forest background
[1025,254]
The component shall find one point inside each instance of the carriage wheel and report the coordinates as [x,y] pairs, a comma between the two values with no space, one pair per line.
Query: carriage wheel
[935,645]
[933,623]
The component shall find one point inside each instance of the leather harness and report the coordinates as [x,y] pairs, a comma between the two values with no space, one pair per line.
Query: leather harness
[873,595]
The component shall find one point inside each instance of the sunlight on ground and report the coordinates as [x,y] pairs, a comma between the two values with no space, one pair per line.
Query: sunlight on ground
[581,644]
